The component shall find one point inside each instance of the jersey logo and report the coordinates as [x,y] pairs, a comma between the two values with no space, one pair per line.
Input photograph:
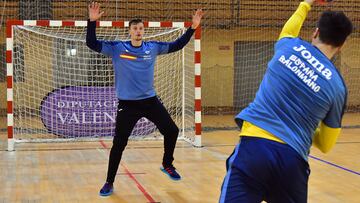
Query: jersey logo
[147,57]
[147,52]
[313,61]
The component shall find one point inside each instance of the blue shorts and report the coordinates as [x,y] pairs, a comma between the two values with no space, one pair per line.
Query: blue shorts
[261,169]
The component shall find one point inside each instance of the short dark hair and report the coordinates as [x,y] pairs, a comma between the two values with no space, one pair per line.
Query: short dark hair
[334,28]
[135,21]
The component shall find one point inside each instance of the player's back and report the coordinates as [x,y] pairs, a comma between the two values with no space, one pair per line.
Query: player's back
[299,88]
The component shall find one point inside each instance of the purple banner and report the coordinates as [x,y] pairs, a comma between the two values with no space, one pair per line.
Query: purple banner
[85,111]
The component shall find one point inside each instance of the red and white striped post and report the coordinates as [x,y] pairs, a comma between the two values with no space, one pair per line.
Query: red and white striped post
[197,61]
[69,23]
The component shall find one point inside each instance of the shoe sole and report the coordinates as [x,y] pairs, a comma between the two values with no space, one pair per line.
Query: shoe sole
[164,171]
[106,194]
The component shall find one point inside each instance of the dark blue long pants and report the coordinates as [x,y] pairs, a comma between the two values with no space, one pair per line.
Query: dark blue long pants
[261,169]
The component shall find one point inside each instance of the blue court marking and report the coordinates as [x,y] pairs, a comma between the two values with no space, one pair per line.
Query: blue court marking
[337,166]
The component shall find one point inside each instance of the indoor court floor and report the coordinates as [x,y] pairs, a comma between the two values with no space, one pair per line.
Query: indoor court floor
[74,172]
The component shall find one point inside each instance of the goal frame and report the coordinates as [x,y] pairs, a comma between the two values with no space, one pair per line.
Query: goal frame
[120,24]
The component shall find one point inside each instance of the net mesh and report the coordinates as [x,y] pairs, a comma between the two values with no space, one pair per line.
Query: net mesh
[65,90]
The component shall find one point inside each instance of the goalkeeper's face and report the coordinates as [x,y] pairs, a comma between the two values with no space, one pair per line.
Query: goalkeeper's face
[137,31]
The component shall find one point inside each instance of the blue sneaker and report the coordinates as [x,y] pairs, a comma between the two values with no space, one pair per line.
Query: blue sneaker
[171,172]
[106,190]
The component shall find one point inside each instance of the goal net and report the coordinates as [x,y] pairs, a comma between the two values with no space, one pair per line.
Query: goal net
[64,91]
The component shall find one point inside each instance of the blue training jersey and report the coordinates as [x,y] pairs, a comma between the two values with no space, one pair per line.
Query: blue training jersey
[300,88]
[134,67]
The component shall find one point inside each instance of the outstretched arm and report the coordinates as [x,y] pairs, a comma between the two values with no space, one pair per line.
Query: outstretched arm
[293,26]
[94,14]
[185,38]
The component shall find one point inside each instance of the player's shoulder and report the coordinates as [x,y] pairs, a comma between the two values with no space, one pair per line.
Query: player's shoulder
[125,42]
[335,86]
[112,43]
[154,42]
[288,39]
[292,40]
[338,81]
[286,42]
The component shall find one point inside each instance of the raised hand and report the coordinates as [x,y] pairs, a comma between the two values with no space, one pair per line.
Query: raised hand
[311,2]
[197,18]
[94,11]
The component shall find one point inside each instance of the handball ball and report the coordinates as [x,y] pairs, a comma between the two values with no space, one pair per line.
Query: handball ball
[325,1]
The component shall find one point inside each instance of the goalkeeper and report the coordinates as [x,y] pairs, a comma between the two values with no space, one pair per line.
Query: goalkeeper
[301,90]
[133,62]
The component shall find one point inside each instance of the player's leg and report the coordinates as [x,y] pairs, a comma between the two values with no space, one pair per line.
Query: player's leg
[237,185]
[126,118]
[167,127]
[290,173]
[268,170]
